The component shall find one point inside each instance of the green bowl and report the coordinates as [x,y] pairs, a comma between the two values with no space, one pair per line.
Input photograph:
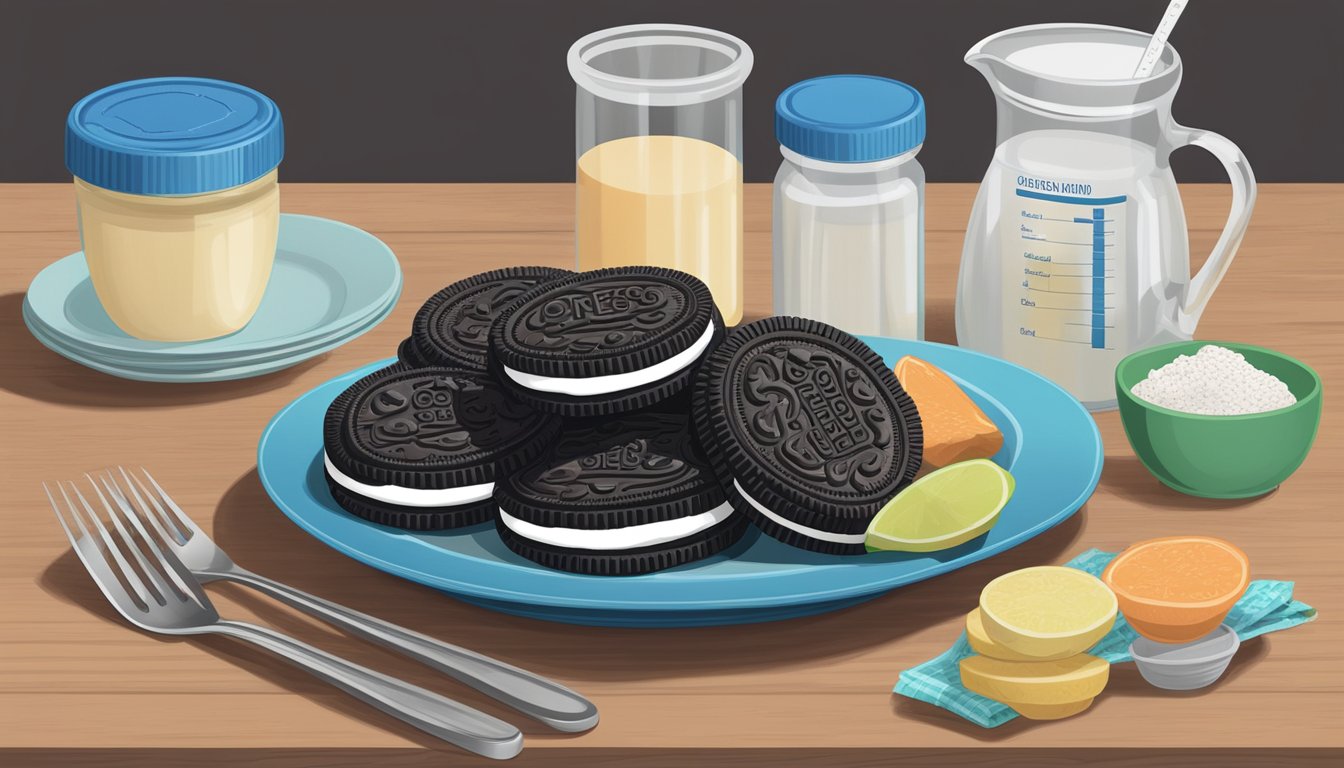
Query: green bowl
[1220,457]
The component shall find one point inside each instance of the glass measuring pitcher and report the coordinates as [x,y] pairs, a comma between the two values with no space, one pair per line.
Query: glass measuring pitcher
[658,119]
[1076,253]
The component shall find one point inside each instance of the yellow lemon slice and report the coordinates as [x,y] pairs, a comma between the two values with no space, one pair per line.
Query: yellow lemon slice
[1047,612]
[1036,683]
[942,509]
[983,645]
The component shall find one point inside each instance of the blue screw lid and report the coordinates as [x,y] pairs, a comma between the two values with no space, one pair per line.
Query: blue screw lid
[850,118]
[173,136]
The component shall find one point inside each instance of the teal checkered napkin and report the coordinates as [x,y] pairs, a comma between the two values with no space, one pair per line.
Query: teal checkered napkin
[1267,606]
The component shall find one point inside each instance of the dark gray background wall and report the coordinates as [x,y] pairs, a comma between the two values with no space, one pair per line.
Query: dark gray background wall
[477,90]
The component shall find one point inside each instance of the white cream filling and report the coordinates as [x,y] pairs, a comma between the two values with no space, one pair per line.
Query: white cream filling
[629,537]
[410,497]
[615,382]
[834,538]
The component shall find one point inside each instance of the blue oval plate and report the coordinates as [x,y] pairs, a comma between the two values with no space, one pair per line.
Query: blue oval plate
[1051,445]
[329,278]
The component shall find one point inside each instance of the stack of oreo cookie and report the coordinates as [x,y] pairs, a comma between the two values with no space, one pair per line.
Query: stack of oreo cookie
[608,424]
[555,404]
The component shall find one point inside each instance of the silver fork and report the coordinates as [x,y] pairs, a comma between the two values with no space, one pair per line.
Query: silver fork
[159,594]
[533,695]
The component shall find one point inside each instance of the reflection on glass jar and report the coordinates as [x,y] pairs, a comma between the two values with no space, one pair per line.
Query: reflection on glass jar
[659,152]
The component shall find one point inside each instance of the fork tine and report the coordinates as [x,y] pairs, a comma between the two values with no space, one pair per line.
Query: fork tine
[74,513]
[167,563]
[115,590]
[183,521]
[60,517]
[128,542]
[158,521]
[108,546]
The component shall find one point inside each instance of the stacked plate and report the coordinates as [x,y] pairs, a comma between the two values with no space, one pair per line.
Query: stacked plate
[331,283]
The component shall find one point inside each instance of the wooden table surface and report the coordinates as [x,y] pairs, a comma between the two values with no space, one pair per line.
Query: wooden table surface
[78,686]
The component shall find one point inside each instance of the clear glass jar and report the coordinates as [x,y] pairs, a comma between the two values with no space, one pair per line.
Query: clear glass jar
[658,118]
[849,205]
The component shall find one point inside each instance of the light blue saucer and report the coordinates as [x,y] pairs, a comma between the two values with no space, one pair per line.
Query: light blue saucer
[175,372]
[1051,446]
[197,364]
[330,282]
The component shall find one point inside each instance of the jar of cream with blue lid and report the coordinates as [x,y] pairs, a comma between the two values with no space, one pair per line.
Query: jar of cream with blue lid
[179,208]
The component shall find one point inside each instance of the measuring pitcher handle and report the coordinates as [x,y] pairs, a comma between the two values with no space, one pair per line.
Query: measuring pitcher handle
[1201,287]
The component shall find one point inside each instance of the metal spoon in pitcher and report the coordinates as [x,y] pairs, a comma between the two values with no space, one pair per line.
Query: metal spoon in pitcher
[1154,50]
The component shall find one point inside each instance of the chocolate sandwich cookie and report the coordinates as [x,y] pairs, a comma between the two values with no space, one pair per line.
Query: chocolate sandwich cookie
[453,326]
[618,496]
[810,429]
[603,342]
[406,353]
[419,448]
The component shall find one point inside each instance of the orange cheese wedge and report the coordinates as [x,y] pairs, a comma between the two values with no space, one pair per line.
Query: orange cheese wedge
[955,429]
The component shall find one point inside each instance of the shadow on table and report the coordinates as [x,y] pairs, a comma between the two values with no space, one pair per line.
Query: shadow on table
[30,370]
[1125,682]
[940,321]
[1126,477]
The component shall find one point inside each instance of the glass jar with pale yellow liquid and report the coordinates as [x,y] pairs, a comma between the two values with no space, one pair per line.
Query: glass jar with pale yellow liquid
[179,208]
[659,153]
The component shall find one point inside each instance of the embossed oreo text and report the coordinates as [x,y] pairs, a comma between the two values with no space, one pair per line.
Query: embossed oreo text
[617,459]
[586,318]
[430,416]
[817,416]
[467,320]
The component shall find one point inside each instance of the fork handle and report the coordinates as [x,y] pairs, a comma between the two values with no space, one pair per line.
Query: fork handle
[533,695]
[430,712]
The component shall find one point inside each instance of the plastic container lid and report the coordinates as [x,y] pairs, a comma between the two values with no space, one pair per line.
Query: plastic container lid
[173,136]
[850,118]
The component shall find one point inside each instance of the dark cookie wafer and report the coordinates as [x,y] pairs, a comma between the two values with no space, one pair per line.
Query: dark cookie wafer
[406,353]
[453,326]
[420,447]
[606,341]
[614,472]
[620,495]
[812,430]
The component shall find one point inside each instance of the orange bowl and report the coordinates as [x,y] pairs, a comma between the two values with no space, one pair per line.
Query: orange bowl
[1179,588]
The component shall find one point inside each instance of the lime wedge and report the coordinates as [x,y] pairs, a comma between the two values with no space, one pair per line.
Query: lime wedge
[942,509]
